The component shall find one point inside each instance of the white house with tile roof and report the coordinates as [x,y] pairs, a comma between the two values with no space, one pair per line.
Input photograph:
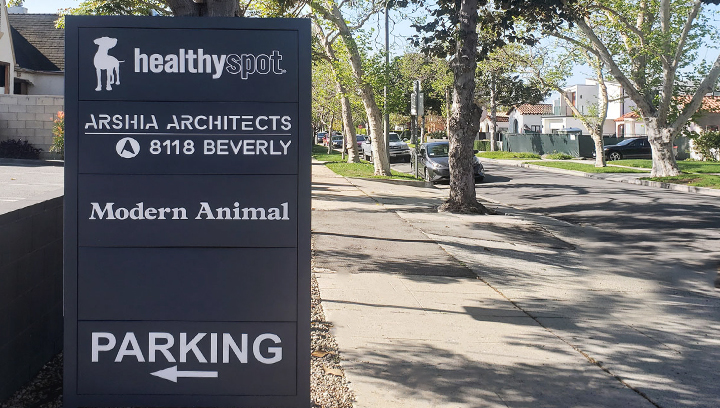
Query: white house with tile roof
[527,118]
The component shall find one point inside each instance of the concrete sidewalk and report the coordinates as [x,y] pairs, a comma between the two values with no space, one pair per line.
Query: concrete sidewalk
[444,310]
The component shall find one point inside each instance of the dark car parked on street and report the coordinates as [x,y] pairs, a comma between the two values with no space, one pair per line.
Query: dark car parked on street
[433,163]
[633,148]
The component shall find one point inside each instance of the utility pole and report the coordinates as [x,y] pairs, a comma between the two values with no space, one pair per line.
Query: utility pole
[386,119]
[416,111]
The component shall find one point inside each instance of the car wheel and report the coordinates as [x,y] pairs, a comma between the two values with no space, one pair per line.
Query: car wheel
[615,156]
[479,180]
[370,158]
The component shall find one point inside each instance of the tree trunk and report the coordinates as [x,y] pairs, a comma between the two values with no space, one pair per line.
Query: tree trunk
[465,119]
[599,152]
[493,117]
[448,105]
[661,142]
[329,134]
[348,126]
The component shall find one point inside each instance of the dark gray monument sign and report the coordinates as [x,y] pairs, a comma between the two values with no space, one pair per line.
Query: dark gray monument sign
[187,225]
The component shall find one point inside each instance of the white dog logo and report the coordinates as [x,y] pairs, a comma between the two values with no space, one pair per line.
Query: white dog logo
[106,62]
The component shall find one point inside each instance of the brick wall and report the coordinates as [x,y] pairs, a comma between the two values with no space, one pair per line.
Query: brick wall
[31,325]
[29,117]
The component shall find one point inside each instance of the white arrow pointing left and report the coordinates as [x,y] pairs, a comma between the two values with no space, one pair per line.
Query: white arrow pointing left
[172,374]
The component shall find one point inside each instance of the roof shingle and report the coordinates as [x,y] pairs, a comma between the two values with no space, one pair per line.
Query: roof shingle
[38,44]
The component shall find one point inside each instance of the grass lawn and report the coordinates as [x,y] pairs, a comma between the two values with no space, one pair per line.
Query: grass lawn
[508,155]
[697,180]
[319,152]
[686,166]
[364,169]
[587,168]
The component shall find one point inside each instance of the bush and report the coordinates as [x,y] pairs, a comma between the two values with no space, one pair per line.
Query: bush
[558,156]
[436,135]
[18,149]
[482,145]
[509,155]
[707,144]
[58,131]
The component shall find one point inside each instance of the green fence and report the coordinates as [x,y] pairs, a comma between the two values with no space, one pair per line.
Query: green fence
[574,145]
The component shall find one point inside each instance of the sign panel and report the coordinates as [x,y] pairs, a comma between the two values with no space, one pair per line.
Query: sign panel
[187,224]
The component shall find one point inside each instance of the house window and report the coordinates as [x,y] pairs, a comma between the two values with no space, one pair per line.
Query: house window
[573,98]
[621,130]
[536,128]
[515,126]
[20,87]
[4,77]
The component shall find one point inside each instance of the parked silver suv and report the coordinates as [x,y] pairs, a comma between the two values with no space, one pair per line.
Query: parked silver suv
[398,148]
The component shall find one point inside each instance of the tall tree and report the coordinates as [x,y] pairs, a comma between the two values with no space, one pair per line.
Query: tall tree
[453,31]
[324,97]
[551,69]
[499,85]
[654,41]
[326,43]
[330,12]
[210,8]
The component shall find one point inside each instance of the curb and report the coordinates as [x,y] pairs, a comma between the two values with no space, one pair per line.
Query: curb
[30,162]
[636,181]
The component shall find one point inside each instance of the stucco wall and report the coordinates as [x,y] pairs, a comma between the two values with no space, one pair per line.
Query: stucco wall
[29,117]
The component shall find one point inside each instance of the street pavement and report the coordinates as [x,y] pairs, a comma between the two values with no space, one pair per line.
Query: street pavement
[25,182]
[529,308]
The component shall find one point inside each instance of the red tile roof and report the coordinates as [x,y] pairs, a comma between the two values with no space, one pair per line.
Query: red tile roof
[629,115]
[710,104]
[540,109]
[500,118]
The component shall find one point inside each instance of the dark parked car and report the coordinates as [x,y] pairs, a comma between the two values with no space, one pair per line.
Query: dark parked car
[433,162]
[634,148]
[320,136]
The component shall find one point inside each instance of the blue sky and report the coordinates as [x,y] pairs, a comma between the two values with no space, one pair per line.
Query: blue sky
[49,6]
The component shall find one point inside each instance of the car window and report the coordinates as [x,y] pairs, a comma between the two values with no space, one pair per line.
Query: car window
[438,150]
[625,142]
[360,138]
[393,137]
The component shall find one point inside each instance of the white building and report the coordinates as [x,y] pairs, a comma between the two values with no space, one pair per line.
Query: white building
[32,53]
[585,98]
[527,118]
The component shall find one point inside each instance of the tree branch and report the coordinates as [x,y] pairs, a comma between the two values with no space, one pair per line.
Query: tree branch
[705,86]
[614,15]
[685,32]
[574,42]
[645,107]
